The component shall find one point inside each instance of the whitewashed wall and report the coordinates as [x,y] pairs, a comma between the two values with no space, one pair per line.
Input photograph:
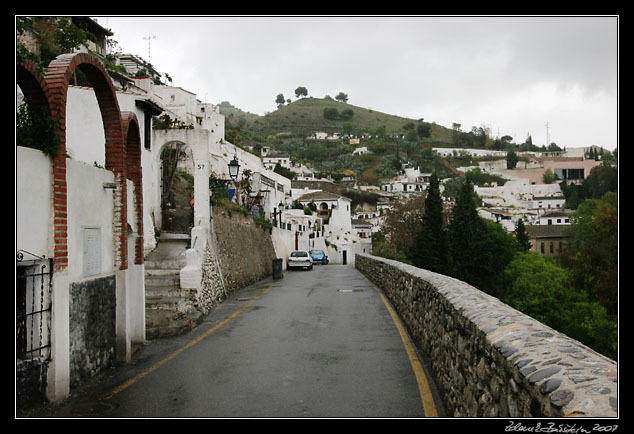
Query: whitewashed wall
[90,205]
[33,202]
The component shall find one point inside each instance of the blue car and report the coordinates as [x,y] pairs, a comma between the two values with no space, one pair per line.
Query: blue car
[319,257]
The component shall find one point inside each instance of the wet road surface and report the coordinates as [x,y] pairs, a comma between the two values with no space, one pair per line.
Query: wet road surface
[319,344]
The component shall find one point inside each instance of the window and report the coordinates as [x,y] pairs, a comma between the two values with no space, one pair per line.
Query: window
[147,130]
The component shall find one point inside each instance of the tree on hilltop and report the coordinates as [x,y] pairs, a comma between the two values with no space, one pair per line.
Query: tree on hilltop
[301,91]
[342,97]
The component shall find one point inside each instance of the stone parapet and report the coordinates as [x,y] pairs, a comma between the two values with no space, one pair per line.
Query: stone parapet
[488,359]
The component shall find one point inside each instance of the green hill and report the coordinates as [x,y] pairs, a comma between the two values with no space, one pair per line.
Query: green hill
[392,139]
[305,116]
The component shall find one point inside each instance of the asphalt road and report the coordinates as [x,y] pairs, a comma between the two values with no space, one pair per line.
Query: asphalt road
[320,343]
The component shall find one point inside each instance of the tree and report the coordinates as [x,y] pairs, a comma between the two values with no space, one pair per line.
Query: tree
[522,236]
[381,131]
[592,249]
[411,136]
[342,97]
[331,113]
[55,35]
[480,135]
[466,231]
[423,130]
[479,249]
[602,179]
[281,170]
[431,245]
[346,114]
[280,99]
[511,160]
[549,177]
[537,286]
[498,249]
[301,91]
[400,225]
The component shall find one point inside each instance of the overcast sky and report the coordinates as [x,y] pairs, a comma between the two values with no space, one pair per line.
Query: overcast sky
[513,75]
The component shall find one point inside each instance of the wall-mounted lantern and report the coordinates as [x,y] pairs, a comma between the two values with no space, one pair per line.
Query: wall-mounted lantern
[234,168]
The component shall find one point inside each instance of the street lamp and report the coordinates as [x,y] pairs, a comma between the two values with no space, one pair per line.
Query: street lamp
[234,167]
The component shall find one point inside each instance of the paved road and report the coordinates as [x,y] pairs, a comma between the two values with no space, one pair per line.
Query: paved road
[318,343]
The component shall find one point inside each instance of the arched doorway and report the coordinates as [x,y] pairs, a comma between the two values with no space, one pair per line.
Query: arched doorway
[177,188]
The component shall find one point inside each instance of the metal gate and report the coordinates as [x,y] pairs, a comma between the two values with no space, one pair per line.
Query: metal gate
[33,307]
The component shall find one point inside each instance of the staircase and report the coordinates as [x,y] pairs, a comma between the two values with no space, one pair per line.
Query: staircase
[169,309]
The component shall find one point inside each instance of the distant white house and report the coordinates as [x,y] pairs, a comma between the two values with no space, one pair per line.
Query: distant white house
[555,218]
[404,187]
[548,202]
[273,159]
[321,135]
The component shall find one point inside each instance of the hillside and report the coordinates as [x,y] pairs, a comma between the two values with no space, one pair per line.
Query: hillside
[305,116]
[289,128]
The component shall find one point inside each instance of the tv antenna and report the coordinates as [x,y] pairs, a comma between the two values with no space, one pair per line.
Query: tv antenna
[149,41]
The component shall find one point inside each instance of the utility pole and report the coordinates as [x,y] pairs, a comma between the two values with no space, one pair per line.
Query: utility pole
[149,39]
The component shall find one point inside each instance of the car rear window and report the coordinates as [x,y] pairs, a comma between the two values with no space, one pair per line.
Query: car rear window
[298,254]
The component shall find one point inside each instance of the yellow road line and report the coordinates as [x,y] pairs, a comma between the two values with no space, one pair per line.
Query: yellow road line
[429,406]
[190,344]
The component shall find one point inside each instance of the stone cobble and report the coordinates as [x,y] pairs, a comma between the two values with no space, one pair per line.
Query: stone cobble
[488,359]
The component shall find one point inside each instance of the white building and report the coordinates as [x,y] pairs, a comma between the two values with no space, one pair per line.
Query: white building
[272,159]
[321,135]
[555,218]
[341,239]
[83,220]
[361,151]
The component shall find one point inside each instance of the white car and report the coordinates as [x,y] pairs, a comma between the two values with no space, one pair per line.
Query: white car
[299,259]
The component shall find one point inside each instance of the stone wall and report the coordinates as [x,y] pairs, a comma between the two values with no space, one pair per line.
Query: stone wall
[92,327]
[244,253]
[488,359]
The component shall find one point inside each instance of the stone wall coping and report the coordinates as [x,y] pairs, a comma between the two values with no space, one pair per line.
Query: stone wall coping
[578,380]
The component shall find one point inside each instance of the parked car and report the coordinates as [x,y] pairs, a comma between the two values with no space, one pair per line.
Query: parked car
[318,256]
[299,259]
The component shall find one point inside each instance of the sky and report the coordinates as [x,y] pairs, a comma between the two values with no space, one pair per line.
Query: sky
[553,77]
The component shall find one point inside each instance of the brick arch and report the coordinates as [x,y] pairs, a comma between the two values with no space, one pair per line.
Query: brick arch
[58,77]
[37,94]
[132,135]
[33,86]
